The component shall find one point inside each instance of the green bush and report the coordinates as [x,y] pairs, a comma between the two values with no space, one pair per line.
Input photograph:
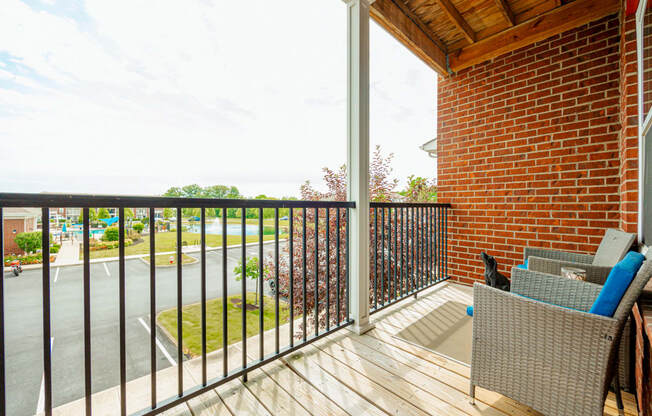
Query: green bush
[55,248]
[138,227]
[111,234]
[108,245]
[29,242]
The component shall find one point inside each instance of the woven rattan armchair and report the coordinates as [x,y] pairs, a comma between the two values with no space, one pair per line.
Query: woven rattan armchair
[539,346]
[612,249]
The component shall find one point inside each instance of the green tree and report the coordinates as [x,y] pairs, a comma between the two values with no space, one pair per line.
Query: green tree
[139,227]
[111,234]
[251,272]
[214,191]
[103,213]
[419,190]
[92,215]
[29,242]
[129,213]
[168,213]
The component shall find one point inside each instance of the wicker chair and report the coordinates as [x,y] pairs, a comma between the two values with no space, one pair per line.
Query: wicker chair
[557,360]
[612,249]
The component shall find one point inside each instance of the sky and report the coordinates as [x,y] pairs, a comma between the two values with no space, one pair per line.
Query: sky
[124,97]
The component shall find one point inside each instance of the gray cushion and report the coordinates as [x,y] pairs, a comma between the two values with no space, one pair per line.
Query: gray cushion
[615,244]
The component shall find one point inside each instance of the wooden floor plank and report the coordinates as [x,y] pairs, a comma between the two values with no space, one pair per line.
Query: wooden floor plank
[385,390]
[353,403]
[421,390]
[445,384]
[272,396]
[314,401]
[240,400]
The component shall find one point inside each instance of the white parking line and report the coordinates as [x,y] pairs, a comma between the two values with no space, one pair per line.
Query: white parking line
[40,405]
[158,343]
[107,270]
[56,275]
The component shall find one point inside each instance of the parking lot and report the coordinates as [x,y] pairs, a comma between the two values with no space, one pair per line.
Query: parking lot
[23,324]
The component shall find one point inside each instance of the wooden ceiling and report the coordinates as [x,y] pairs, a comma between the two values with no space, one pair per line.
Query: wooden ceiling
[450,35]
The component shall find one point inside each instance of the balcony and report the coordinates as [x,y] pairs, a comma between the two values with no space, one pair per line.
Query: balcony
[537,145]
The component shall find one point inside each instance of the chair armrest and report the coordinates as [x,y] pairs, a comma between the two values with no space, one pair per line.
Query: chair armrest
[557,255]
[519,342]
[594,274]
[569,293]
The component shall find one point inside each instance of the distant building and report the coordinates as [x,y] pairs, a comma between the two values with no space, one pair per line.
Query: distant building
[16,221]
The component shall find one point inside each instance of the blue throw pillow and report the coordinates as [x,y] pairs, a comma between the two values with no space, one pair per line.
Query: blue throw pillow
[617,283]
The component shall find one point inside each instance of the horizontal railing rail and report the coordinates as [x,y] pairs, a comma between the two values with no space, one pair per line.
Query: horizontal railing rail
[315,263]
[409,250]
[95,201]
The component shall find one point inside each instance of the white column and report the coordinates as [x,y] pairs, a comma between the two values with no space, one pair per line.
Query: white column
[358,160]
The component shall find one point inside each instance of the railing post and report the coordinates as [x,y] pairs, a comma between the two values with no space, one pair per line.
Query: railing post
[358,160]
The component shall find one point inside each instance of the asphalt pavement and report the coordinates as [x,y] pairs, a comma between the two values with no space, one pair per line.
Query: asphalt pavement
[24,328]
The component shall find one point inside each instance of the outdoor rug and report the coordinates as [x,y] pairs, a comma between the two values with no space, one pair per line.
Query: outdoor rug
[447,330]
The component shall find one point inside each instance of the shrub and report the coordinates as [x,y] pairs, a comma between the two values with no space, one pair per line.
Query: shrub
[55,248]
[111,234]
[31,259]
[138,227]
[29,242]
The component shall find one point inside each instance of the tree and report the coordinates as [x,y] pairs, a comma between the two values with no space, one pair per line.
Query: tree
[129,213]
[380,188]
[419,190]
[92,215]
[29,242]
[103,213]
[214,191]
[251,271]
[168,213]
[139,227]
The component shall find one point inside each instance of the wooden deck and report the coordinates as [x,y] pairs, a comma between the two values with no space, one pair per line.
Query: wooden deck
[372,374]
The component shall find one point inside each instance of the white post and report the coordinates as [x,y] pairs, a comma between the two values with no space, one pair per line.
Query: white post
[358,161]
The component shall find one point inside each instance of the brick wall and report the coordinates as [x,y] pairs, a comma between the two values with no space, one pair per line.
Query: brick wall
[528,147]
[629,125]
[11,225]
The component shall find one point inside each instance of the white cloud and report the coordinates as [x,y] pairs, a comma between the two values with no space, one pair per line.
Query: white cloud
[142,95]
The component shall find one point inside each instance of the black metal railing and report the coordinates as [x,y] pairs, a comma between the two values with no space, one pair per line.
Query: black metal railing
[409,250]
[334,306]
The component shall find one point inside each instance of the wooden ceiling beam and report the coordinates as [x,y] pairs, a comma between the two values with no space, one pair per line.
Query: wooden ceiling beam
[506,11]
[561,19]
[417,20]
[392,17]
[457,19]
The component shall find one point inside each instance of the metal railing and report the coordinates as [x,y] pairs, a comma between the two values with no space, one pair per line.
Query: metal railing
[336,213]
[409,250]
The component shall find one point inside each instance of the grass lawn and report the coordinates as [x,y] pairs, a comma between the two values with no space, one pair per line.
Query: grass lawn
[192,322]
[166,241]
[164,259]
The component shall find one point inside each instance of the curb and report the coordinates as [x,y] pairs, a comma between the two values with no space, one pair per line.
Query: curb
[195,260]
[137,256]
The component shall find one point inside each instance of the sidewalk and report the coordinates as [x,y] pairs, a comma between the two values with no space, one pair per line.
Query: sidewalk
[68,253]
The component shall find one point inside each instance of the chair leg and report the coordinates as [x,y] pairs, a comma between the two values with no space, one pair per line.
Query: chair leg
[619,397]
[472,395]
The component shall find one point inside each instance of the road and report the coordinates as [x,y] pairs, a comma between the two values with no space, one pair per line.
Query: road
[24,331]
